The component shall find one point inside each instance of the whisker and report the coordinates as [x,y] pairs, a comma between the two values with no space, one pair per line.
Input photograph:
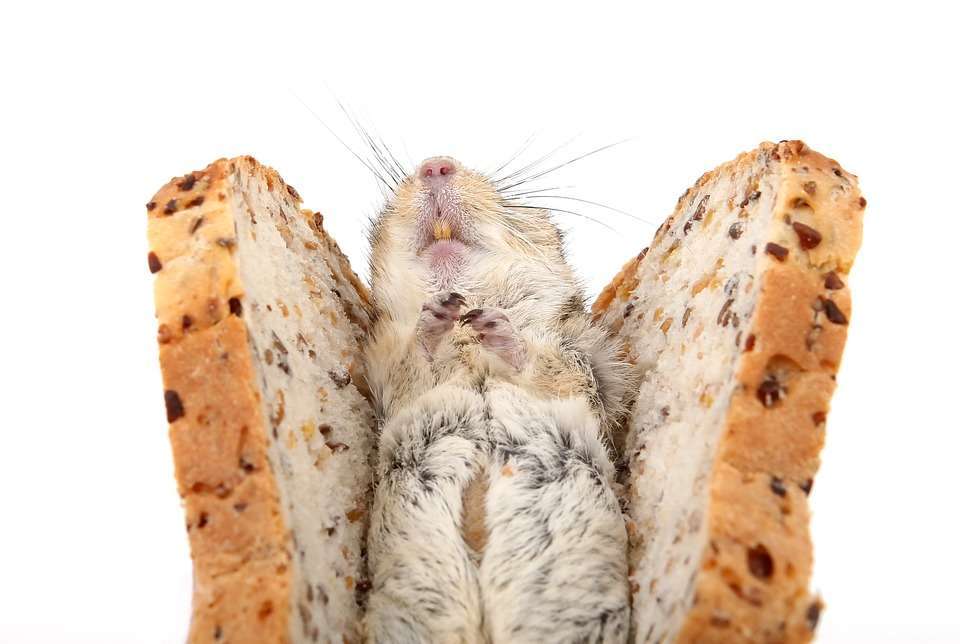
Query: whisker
[386,157]
[502,215]
[396,162]
[517,233]
[534,192]
[599,205]
[387,163]
[365,135]
[566,163]
[537,162]
[341,142]
[569,212]
[513,157]
[379,155]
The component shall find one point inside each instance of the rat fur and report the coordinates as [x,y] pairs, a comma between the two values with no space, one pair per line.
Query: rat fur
[495,517]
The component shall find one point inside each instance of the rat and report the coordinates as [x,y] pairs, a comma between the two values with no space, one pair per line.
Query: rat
[494,516]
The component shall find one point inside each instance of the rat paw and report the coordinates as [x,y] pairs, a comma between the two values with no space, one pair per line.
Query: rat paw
[437,317]
[496,334]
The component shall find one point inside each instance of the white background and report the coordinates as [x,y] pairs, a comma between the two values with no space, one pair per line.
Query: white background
[102,104]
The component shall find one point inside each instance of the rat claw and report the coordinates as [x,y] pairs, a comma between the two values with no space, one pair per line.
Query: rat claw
[437,317]
[446,304]
[496,334]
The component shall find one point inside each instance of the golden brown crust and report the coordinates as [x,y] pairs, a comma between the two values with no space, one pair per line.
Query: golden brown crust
[802,342]
[238,539]
[619,287]
[237,534]
[753,584]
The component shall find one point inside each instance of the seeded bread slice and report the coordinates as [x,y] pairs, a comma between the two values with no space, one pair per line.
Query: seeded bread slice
[736,318]
[260,325]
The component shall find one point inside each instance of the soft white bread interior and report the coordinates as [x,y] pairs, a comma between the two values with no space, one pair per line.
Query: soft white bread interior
[260,325]
[735,318]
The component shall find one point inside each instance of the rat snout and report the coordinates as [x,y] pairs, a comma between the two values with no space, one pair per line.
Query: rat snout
[437,171]
[441,215]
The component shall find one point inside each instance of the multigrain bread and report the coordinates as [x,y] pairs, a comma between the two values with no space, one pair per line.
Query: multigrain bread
[736,318]
[260,327]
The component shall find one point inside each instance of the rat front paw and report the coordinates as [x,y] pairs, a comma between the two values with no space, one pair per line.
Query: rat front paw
[437,317]
[496,334]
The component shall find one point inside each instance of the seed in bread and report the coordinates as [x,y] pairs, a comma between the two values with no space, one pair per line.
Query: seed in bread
[260,325]
[724,440]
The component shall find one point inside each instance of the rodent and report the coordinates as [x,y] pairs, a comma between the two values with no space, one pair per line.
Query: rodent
[495,517]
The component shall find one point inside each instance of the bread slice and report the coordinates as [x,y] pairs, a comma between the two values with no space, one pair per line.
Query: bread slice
[260,325]
[736,317]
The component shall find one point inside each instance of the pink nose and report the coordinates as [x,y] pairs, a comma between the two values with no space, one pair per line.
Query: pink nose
[437,167]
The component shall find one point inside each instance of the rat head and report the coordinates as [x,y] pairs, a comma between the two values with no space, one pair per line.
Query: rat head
[450,227]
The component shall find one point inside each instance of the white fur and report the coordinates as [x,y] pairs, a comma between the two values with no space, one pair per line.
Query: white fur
[554,568]
[531,415]
[425,581]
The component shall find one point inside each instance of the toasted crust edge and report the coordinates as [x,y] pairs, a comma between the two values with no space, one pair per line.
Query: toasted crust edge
[238,538]
[746,521]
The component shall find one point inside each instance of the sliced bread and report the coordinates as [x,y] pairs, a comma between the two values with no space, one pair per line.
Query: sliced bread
[260,326]
[736,318]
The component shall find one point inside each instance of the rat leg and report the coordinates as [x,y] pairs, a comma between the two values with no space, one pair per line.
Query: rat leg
[554,567]
[497,334]
[437,318]
[424,579]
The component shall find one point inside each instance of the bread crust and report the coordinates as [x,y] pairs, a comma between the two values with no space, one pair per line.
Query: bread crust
[241,562]
[768,455]
[239,542]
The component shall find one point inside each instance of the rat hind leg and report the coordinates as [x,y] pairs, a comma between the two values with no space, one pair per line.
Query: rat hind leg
[425,585]
[554,567]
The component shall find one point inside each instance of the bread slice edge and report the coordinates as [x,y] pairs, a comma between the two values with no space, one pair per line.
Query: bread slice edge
[751,582]
[230,441]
